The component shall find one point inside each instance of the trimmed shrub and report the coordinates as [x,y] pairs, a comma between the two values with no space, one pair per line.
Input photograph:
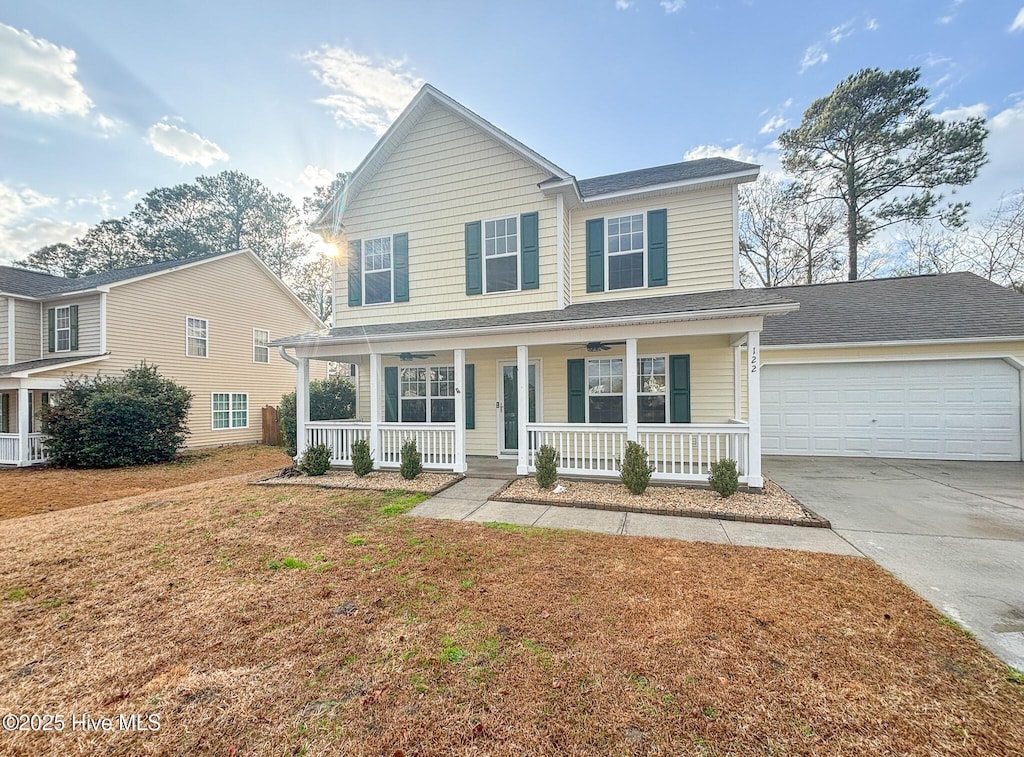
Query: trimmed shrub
[136,418]
[330,399]
[634,468]
[412,461]
[547,466]
[316,460]
[724,478]
[362,463]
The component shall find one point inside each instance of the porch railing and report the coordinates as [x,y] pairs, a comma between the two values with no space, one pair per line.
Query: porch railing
[435,441]
[9,449]
[678,452]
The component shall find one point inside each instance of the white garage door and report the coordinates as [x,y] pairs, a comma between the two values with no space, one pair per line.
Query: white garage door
[941,409]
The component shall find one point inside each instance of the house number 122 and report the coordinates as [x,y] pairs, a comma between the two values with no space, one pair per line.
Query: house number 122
[753,360]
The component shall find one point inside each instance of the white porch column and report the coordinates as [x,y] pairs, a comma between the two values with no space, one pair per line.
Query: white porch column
[301,405]
[629,394]
[754,478]
[24,410]
[460,412]
[375,374]
[523,407]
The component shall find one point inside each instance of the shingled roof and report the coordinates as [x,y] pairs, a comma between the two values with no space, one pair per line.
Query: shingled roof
[688,170]
[29,283]
[916,308]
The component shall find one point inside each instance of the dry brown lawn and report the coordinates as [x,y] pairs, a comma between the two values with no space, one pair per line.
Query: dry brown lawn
[27,491]
[273,621]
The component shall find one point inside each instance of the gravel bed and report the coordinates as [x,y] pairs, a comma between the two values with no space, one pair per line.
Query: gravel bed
[428,483]
[773,505]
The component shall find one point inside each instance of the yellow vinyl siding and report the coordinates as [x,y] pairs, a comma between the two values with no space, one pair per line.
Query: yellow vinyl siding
[700,243]
[444,174]
[88,325]
[26,332]
[146,321]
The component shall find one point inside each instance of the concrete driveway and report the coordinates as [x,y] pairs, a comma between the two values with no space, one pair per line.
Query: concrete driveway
[952,531]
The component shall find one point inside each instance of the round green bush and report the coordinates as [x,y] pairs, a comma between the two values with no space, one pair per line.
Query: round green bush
[412,461]
[634,469]
[547,466]
[724,478]
[316,460]
[362,462]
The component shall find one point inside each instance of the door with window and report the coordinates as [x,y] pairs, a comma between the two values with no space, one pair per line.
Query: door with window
[508,403]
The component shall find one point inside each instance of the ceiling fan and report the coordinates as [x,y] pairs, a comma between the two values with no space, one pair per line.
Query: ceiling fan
[406,356]
[598,346]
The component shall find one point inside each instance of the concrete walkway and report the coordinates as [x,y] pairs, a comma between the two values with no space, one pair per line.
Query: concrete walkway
[469,500]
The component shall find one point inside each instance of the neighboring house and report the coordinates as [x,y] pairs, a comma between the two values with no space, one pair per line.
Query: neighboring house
[205,322]
[495,303]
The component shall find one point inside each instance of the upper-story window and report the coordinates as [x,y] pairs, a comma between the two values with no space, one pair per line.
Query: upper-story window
[63,328]
[197,332]
[501,255]
[260,346]
[626,252]
[378,271]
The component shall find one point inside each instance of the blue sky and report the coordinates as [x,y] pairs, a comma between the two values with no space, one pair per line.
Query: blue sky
[102,101]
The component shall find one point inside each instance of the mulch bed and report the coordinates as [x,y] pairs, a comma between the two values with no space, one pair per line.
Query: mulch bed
[427,483]
[773,505]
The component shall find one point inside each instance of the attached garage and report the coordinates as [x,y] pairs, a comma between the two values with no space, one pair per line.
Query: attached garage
[925,367]
[933,409]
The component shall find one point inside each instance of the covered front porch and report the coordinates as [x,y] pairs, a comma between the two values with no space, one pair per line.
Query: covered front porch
[21,440]
[687,389]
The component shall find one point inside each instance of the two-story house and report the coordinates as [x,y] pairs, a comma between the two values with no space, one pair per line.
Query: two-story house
[495,303]
[205,322]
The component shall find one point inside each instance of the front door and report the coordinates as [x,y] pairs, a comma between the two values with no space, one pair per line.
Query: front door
[508,405]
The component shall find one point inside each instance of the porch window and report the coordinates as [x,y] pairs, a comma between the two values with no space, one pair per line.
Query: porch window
[63,328]
[626,252]
[427,394]
[197,334]
[501,255]
[604,390]
[230,410]
[652,387]
[260,346]
[377,270]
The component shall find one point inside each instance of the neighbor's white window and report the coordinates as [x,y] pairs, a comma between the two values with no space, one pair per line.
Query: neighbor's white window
[427,394]
[604,390]
[378,271]
[260,346]
[501,255]
[230,410]
[63,328]
[196,336]
[652,388]
[626,252]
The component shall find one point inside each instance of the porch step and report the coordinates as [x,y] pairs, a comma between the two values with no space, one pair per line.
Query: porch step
[478,466]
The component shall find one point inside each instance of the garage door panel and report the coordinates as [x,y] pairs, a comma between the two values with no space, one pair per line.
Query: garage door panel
[940,409]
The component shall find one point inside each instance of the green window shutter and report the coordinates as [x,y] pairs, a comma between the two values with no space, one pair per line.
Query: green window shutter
[401,246]
[679,388]
[51,330]
[530,251]
[470,396]
[355,274]
[474,263]
[74,327]
[391,395]
[576,378]
[657,248]
[595,255]
[5,413]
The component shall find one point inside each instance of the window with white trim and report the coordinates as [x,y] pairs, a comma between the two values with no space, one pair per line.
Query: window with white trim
[604,390]
[62,322]
[501,255]
[652,389]
[626,252]
[230,410]
[427,394]
[378,271]
[260,346]
[197,334]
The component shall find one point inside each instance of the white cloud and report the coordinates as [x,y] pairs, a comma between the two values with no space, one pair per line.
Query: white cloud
[130,195]
[367,94]
[838,33]
[1018,22]
[672,6]
[304,182]
[871,25]
[978,110]
[39,76]
[736,152]
[773,124]
[23,230]
[623,5]
[813,55]
[186,147]
[103,203]
[951,12]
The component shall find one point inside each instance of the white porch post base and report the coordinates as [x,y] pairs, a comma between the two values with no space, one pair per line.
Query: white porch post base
[301,406]
[754,477]
[24,411]
[459,464]
[523,405]
[375,376]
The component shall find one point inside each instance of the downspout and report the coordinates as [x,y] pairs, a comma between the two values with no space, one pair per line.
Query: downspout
[286,357]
